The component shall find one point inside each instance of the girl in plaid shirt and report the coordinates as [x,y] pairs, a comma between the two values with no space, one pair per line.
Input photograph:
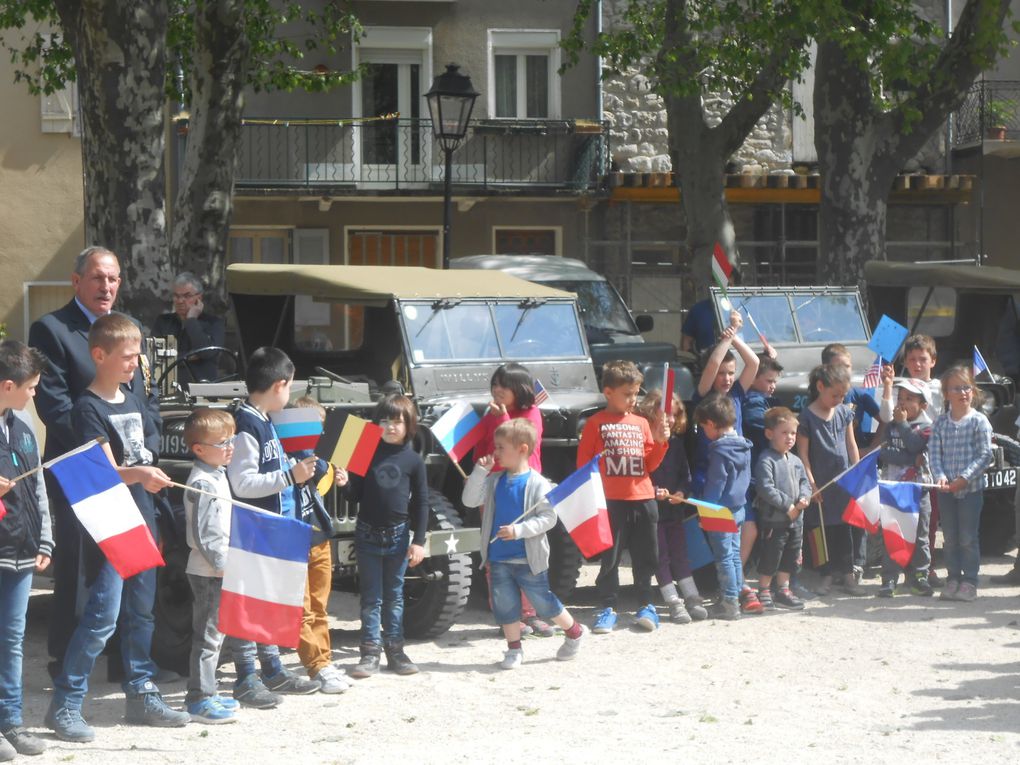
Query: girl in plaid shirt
[959,450]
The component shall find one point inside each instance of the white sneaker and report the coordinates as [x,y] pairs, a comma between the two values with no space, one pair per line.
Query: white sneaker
[512,659]
[332,679]
[571,646]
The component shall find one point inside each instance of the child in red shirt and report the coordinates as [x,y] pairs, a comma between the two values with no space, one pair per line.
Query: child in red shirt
[630,452]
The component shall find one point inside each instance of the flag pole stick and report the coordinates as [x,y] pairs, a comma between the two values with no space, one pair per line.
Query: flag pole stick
[459,468]
[520,517]
[59,458]
[820,489]
[825,537]
[231,500]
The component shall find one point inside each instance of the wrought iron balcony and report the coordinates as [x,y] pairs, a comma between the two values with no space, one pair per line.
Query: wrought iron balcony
[402,154]
[991,112]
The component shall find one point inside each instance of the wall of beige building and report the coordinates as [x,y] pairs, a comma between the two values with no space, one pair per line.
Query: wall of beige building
[41,208]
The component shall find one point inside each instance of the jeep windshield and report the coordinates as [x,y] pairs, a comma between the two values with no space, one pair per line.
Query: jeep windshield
[461,330]
[785,315]
[600,306]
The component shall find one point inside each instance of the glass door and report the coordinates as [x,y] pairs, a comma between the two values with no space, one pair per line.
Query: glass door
[393,151]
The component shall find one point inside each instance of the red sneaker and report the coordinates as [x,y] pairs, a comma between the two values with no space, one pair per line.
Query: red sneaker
[749,603]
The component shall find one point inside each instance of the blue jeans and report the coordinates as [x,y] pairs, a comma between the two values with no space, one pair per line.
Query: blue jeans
[244,652]
[382,561]
[98,622]
[15,587]
[726,551]
[960,518]
[509,580]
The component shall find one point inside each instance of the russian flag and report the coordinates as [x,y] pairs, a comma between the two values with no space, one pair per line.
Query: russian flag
[861,483]
[264,578]
[298,428]
[980,365]
[580,503]
[104,506]
[458,430]
[901,506]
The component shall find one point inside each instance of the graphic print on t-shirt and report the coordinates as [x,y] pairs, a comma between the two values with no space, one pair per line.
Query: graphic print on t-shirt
[623,451]
[132,436]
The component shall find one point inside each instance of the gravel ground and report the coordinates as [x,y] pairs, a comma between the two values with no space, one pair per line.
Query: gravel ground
[904,680]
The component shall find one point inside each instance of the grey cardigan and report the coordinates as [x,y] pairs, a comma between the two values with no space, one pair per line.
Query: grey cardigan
[779,481]
[479,490]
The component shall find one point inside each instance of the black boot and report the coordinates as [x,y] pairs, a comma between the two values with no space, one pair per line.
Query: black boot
[369,664]
[1010,577]
[397,661]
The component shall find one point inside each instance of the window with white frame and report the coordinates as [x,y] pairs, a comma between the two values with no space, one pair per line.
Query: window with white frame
[524,80]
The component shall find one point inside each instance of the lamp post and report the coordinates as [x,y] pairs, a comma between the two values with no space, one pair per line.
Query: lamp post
[450,100]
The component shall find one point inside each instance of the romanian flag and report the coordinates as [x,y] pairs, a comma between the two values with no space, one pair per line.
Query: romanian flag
[668,384]
[299,428]
[817,547]
[714,517]
[349,442]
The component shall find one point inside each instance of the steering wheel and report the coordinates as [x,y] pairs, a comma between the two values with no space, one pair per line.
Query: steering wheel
[185,360]
[820,333]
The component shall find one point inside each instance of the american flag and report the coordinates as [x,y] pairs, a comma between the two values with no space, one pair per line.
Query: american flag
[541,394]
[873,376]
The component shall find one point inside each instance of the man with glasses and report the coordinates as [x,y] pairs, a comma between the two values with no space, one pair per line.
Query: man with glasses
[193,328]
[62,336]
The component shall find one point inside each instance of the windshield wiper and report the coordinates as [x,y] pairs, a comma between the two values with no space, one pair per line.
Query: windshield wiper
[436,307]
[525,306]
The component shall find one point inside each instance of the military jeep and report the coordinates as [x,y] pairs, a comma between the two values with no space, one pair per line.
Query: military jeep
[355,332]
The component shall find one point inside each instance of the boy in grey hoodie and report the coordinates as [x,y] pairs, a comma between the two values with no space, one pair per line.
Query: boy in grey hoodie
[518,553]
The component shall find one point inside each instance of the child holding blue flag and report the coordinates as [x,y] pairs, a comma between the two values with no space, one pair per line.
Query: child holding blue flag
[518,553]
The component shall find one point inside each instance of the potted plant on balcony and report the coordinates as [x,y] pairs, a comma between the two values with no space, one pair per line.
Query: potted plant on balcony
[999,113]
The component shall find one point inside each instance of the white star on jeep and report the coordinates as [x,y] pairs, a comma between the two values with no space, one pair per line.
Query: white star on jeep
[451,545]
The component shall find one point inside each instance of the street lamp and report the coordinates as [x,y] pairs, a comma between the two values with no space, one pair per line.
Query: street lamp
[450,100]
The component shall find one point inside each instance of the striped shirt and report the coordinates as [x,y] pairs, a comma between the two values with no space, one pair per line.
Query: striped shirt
[961,449]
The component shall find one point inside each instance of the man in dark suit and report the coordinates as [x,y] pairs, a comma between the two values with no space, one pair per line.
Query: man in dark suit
[193,328]
[63,337]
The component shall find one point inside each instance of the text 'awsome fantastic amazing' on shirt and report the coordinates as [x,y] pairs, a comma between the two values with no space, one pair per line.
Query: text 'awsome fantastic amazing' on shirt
[628,453]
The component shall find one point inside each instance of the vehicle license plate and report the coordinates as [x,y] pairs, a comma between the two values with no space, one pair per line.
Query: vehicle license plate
[1000,478]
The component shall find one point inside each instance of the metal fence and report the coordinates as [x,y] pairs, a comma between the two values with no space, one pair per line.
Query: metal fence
[990,111]
[403,153]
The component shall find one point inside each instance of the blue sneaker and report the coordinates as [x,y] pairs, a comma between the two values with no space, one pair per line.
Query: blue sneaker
[68,724]
[646,618]
[605,620]
[210,712]
[227,703]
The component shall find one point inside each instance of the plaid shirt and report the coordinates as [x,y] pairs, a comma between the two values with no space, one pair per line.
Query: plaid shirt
[961,449]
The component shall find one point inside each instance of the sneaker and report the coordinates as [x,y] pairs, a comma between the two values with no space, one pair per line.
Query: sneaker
[727,609]
[571,646]
[802,592]
[765,599]
[331,680]
[646,619]
[934,579]
[23,741]
[227,703]
[696,608]
[368,664]
[949,591]
[539,627]
[824,586]
[7,752]
[784,598]
[398,661]
[525,629]
[605,620]
[150,709]
[69,725]
[888,588]
[512,659]
[252,692]
[209,711]
[919,585]
[749,603]
[678,612]
[851,586]
[966,592]
[1010,577]
[286,681]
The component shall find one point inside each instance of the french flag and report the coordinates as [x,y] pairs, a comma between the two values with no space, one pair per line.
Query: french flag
[458,430]
[901,506]
[104,506]
[580,503]
[861,483]
[668,384]
[980,365]
[264,578]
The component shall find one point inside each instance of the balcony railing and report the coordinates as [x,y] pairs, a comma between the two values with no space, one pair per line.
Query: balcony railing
[399,154]
[990,112]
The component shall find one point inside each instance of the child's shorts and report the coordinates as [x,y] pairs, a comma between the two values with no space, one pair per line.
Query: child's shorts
[509,580]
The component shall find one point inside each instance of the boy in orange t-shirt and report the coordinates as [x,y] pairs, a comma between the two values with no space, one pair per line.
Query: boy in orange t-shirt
[630,452]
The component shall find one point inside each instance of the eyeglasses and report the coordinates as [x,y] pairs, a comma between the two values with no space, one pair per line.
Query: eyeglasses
[225,444]
[186,296]
[961,389]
